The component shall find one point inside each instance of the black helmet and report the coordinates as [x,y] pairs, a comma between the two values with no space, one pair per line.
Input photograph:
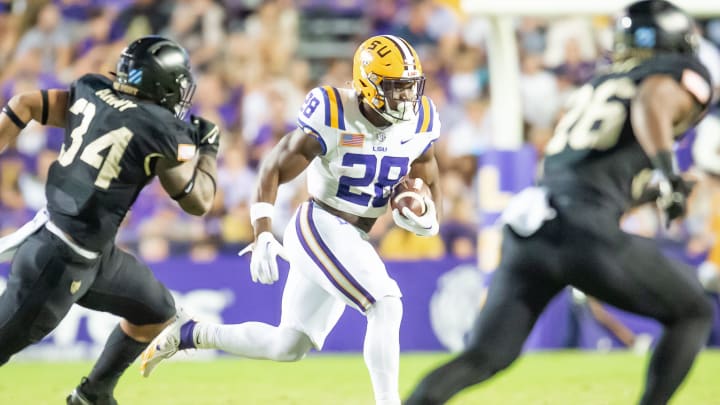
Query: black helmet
[650,26]
[157,69]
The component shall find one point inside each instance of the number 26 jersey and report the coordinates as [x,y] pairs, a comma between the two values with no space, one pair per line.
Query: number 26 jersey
[594,153]
[360,163]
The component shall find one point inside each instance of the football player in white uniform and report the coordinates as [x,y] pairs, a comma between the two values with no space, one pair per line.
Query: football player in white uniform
[356,144]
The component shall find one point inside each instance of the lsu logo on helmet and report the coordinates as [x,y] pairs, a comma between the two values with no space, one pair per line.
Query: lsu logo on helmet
[388,76]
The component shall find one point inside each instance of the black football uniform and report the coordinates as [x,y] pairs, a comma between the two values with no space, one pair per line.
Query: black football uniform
[594,151]
[111,146]
[594,168]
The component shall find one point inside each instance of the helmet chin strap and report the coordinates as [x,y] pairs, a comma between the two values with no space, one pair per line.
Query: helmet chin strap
[374,115]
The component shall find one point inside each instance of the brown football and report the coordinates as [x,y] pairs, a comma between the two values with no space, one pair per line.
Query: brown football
[409,193]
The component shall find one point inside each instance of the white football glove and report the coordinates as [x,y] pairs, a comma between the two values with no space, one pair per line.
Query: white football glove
[424,225]
[263,263]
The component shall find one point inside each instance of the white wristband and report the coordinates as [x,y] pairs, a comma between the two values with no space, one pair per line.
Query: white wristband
[261,210]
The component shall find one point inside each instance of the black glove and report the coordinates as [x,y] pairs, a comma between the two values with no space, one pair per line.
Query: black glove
[652,192]
[672,198]
[208,135]
[672,190]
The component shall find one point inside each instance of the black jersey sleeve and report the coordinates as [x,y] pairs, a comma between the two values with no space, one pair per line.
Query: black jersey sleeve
[91,82]
[176,141]
[165,137]
[697,81]
[689,72]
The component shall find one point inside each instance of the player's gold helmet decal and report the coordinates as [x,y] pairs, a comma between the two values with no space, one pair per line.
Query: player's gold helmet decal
[388,77]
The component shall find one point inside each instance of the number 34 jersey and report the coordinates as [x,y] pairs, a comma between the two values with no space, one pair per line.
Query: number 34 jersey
[360,163]
[594,153]
[111,145]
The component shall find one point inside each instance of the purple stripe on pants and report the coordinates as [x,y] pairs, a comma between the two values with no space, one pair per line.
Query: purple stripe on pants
[318,262]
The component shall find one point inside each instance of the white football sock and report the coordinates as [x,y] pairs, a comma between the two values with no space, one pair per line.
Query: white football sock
[254,340]
[382,349]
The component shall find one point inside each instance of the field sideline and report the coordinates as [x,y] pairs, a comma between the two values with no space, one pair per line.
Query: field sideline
[552,378]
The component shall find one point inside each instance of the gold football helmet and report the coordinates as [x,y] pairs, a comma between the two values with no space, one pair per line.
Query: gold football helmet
[388,77]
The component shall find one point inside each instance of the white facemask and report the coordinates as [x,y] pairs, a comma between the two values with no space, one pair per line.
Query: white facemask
[405,112]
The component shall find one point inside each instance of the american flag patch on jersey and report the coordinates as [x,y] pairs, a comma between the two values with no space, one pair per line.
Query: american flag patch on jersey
[696,85]
[353,140]
[186,151]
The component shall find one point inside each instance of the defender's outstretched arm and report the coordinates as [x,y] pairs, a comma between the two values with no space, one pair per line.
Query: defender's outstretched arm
[48,107]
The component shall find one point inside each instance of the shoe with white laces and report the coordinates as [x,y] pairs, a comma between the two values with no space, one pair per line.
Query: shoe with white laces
[167,343]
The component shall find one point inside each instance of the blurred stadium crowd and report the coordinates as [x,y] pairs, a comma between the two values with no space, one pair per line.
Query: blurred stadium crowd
[255,60]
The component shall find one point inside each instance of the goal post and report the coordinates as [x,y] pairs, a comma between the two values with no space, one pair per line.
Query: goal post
[503,60]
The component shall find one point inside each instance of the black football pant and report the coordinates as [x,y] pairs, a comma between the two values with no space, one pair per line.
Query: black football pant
[584,247]
[47,278]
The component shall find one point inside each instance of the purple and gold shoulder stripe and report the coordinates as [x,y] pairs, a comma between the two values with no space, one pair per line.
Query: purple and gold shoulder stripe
[426,116]
[334,113]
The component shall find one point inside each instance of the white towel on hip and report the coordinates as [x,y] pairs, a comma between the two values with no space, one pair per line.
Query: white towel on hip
[10,243]
[527,211]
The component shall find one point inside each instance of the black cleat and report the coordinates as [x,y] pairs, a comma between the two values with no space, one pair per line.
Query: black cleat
[79,397]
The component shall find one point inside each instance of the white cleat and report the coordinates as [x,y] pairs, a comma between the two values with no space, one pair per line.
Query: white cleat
[164,346]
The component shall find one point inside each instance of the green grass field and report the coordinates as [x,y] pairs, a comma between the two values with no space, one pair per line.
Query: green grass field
[553,378]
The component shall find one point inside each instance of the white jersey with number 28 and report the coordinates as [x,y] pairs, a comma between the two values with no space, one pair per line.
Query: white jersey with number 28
[360,162]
